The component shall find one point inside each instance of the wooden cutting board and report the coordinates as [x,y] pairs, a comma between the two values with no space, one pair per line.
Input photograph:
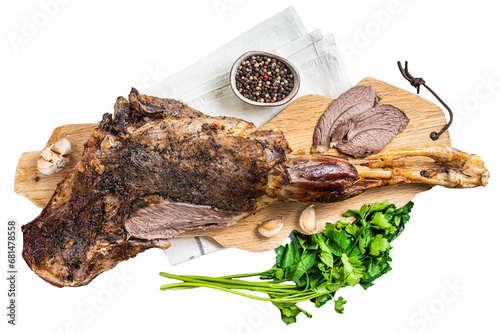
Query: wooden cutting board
[297,121]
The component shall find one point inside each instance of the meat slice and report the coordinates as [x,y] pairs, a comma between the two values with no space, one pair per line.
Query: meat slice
[367,133]
[169,219]
[354,101]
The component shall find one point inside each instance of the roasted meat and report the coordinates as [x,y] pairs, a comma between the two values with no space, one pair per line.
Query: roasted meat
[157,168]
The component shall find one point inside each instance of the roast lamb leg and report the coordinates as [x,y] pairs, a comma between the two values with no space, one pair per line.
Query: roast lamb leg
[158,168]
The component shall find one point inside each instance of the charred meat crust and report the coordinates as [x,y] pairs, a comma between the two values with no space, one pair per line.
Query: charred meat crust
[151,147]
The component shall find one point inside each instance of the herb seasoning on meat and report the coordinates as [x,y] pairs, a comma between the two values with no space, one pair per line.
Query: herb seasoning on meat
[264,79]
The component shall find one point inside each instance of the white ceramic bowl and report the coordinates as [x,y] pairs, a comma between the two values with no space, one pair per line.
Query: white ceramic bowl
[294,71]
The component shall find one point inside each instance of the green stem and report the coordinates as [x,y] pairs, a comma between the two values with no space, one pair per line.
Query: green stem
[196,285]
[273,284]
[280,295]
[243,275]
[270,290]
[230,281]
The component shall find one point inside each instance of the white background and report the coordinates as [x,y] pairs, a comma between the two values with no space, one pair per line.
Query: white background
[445,265]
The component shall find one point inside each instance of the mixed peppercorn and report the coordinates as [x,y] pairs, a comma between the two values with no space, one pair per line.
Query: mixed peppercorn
[264,79]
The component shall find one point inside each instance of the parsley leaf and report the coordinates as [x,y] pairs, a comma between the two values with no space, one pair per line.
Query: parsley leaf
[379,244]
[339,305]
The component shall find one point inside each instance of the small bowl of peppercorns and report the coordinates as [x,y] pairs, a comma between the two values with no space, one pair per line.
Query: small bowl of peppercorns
[264,79]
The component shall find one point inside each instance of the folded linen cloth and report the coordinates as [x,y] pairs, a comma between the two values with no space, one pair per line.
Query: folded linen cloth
[205,86]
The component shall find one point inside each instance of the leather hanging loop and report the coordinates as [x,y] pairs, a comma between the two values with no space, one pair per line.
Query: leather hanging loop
[417,82]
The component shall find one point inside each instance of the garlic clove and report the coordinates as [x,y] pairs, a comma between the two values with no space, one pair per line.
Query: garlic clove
[58,159]
[271,228]
[307,220]
[46,167]
[47,154]
[61,162]
[62,147]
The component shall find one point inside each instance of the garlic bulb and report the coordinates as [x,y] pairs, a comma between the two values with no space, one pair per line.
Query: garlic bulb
[52,158]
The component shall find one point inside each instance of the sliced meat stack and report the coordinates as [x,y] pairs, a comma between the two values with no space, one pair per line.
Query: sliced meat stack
[356,125]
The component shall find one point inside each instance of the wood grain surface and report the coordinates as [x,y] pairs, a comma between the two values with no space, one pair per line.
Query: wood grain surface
[297,121]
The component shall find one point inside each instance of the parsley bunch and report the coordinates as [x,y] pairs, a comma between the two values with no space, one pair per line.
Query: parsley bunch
[314,267]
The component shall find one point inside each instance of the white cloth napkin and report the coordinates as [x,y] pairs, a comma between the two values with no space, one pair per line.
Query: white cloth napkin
[205,86]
